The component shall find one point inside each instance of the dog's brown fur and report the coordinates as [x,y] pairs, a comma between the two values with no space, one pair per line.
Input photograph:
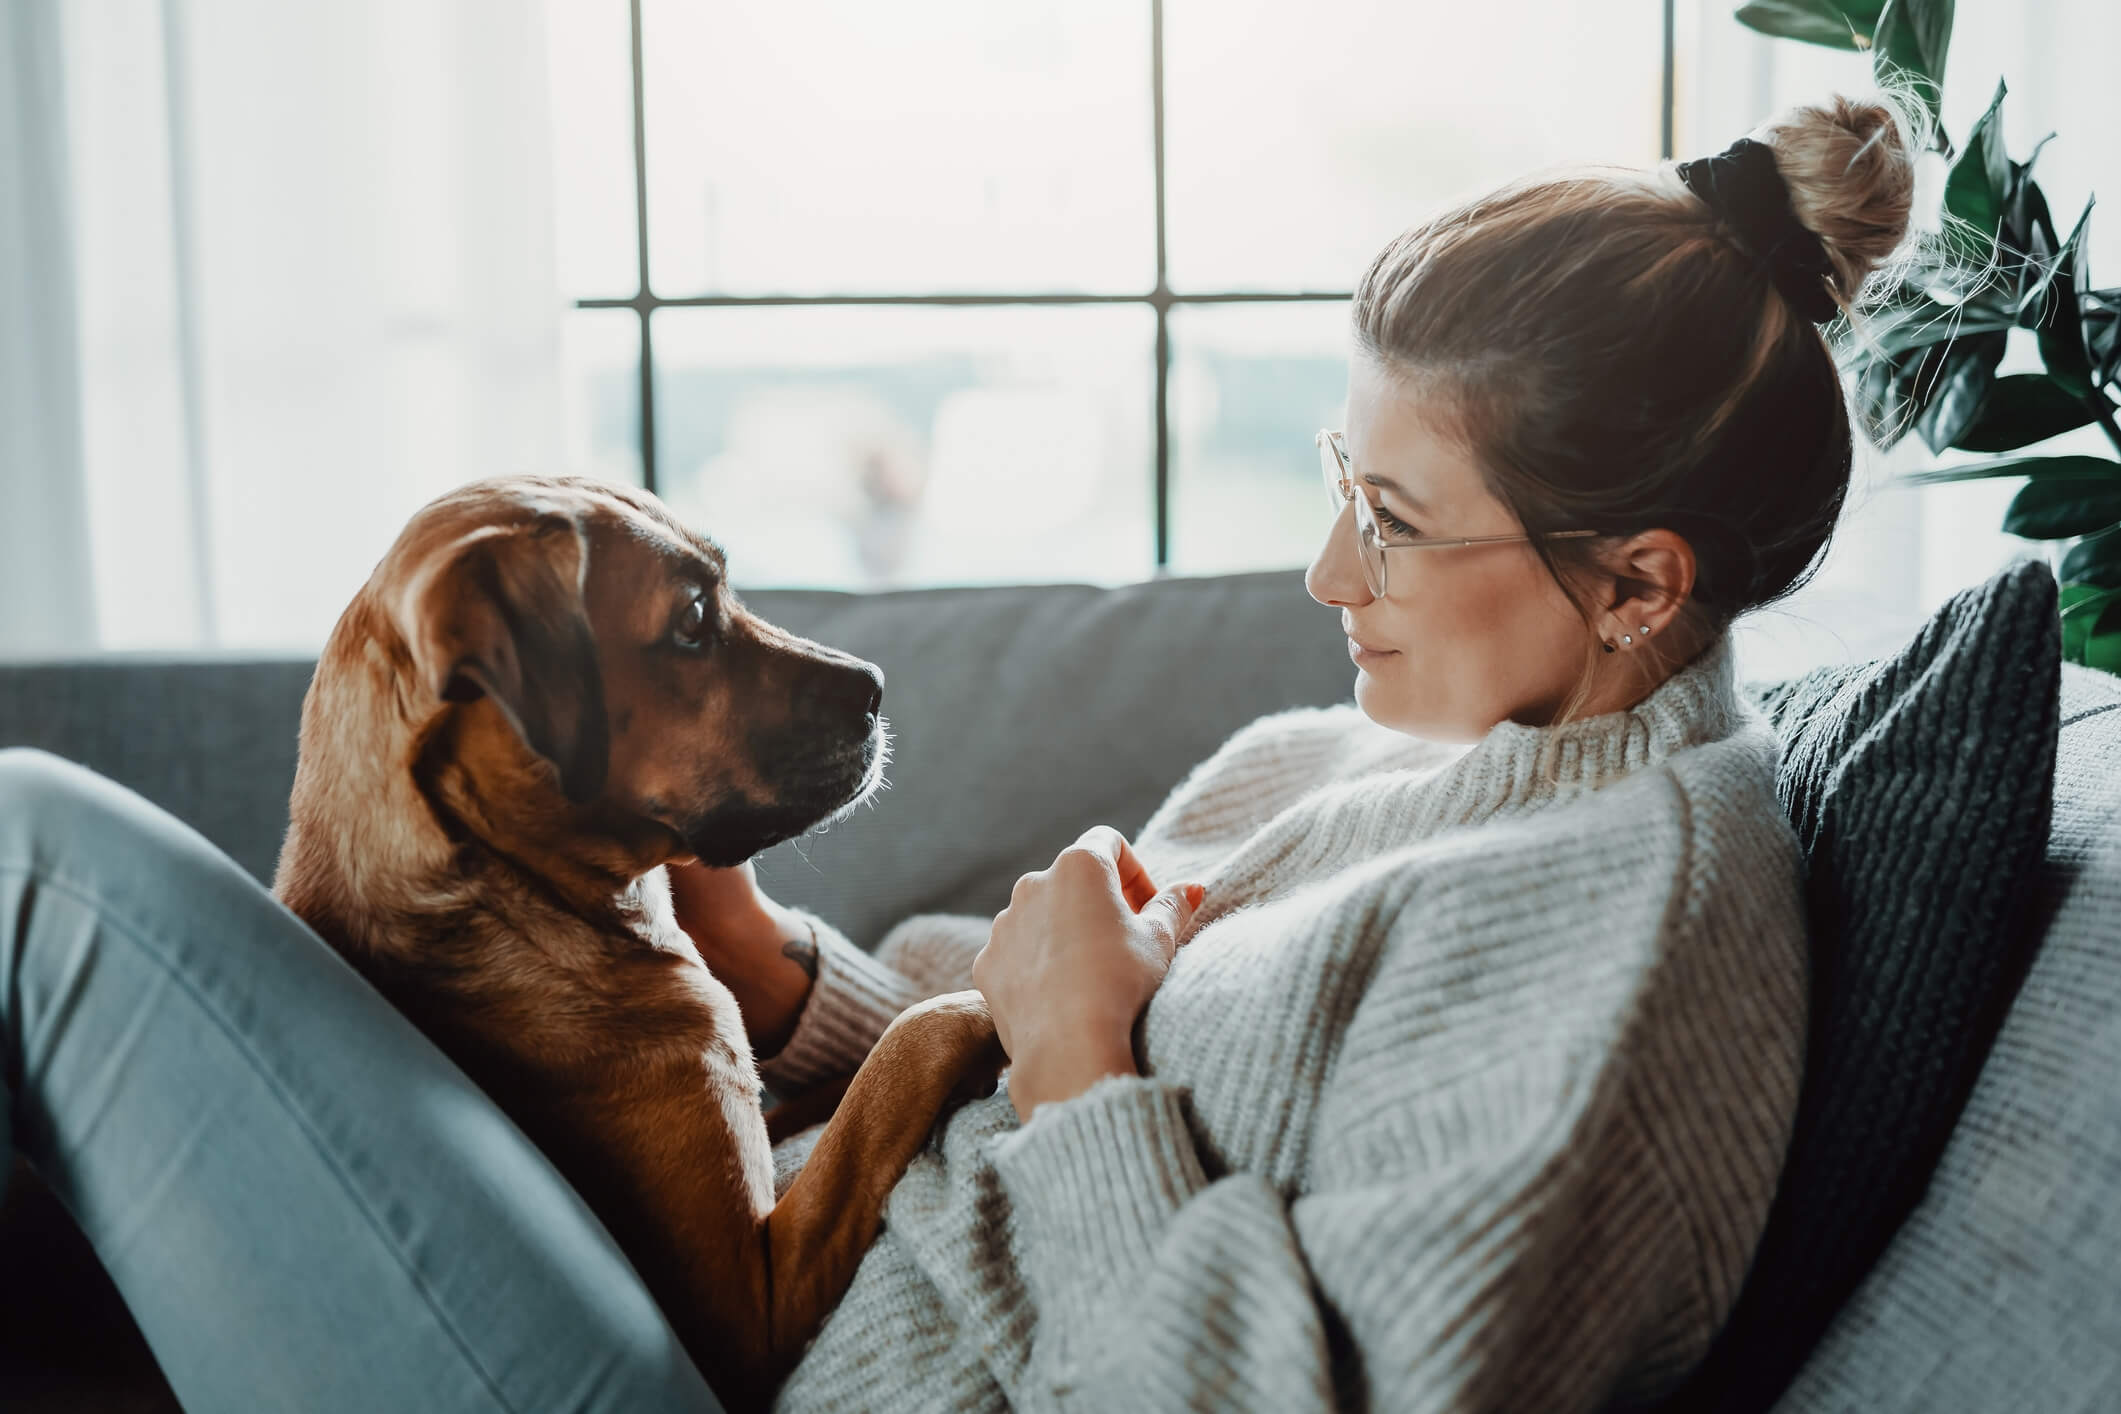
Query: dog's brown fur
[504,741]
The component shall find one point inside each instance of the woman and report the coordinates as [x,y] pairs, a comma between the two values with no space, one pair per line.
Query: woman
[1468,1082]
[1437,1051]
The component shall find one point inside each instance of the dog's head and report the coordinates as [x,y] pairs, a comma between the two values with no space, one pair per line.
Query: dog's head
[575,659]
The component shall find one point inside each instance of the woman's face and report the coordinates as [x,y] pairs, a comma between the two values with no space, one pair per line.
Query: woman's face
[1466,637]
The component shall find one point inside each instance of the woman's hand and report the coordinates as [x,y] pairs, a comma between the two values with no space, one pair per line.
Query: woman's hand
[1071,963]
[759,950]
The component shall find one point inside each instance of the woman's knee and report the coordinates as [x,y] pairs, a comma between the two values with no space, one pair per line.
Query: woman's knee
[40,795]
[58,818]
[29,776]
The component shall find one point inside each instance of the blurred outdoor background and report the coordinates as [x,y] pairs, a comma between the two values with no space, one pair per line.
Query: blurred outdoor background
[919,297]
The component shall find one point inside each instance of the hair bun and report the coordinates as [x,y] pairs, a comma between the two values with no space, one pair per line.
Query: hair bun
[1849,165]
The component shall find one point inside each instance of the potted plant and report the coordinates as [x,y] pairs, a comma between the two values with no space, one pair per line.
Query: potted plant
[1926,357]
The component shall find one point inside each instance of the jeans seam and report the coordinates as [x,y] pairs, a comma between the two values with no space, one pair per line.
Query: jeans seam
[140,938]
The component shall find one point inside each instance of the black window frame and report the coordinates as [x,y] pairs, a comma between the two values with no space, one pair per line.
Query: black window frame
[1161,298]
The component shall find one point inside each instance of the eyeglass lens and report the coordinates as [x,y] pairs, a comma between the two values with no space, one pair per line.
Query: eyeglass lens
[1369,539]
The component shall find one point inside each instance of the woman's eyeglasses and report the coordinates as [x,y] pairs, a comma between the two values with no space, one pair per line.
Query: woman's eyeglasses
[1369,535]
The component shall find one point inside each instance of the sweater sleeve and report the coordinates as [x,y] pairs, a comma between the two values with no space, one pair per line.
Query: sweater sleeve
[856,995]
[1544,1148]
[1488,1254]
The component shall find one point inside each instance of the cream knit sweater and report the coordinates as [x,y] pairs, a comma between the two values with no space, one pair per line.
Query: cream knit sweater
[1467,1091]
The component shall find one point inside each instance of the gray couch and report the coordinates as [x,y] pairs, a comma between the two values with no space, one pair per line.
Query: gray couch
[1026,714]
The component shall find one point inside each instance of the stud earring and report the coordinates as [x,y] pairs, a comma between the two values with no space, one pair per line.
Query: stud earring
[1627,638]
[1645,630]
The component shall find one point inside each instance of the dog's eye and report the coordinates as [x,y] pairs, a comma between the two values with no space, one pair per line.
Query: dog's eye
[690,630]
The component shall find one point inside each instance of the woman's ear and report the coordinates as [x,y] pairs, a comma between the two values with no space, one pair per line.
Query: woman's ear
[1653,577]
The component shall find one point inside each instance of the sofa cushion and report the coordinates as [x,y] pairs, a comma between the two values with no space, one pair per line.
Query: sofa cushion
[1920,788]
[212,741]
[2000,1290]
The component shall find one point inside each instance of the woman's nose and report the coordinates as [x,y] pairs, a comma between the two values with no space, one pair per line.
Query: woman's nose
[1335,577]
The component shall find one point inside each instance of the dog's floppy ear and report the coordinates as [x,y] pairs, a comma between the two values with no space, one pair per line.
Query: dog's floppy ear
[500,614]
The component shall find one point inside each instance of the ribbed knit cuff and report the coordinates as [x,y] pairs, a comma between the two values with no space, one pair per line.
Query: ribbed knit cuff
[853,999]
[1093,1180]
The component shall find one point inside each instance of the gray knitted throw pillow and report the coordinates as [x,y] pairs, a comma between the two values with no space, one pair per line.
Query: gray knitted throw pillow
[1920,789]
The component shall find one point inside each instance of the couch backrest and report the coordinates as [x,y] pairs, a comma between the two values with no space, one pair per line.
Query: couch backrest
[1023,715]
[211,741]
[2000,1290]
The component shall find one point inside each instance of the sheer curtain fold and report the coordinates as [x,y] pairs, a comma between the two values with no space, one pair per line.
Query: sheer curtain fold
[308,250]
[45,603]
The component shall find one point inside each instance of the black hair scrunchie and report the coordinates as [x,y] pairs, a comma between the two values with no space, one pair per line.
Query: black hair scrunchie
[1742,186]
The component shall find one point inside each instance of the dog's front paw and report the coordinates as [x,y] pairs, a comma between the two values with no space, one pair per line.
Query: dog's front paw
[963,1014]
[955,1033]
[981,1076]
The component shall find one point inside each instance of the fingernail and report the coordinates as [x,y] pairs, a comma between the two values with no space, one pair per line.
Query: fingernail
[1194,894]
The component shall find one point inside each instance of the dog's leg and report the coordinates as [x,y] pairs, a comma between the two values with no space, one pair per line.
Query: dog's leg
[937,1051]
[746,1280]
[799,1112]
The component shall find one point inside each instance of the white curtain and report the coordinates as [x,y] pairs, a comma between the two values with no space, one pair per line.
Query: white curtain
[45,603]
[291,274]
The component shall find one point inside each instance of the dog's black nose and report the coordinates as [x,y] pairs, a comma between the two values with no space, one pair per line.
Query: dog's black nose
[853,689]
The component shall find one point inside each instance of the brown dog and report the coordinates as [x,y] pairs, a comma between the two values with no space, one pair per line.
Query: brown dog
[544,693]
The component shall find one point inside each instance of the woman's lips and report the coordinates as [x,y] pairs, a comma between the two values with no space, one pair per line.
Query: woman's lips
[1364,656]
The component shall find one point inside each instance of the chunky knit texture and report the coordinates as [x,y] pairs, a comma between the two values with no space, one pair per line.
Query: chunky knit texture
[1920,788]
[1467,1090]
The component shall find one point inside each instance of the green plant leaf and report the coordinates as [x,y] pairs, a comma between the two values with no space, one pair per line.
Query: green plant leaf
[2085,611]
[2096,559]
[2086,601]
[2103,651]
[2028,229]
[1848,25]
[1912,316]
[1911,320]
[2074,468]
[1950,401]
[2056,311]
[1913,37]
[1886,400]
[1935,387]
[2020,410]
[2102,335]
[2060,507]
[1980,183]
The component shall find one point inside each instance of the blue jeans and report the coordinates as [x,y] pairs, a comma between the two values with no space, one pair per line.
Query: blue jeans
[306,1205]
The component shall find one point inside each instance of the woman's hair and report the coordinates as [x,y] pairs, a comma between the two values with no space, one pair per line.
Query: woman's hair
[1614,361]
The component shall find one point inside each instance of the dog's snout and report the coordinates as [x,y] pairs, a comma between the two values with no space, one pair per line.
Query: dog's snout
[854,689]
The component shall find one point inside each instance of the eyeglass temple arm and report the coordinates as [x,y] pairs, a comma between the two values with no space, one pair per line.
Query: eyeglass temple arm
[1458,540]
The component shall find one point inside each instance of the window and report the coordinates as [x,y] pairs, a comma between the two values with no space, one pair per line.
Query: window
[938,292]
[961,292]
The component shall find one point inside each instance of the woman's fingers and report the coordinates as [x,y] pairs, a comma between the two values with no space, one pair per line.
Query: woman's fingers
[1168,913]
[1135,885]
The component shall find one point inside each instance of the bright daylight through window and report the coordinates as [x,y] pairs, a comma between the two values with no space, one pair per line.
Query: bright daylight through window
[928,293]
[926,304]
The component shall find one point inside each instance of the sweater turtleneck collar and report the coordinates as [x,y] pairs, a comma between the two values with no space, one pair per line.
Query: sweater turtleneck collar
[1517,765]
[1381,788]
